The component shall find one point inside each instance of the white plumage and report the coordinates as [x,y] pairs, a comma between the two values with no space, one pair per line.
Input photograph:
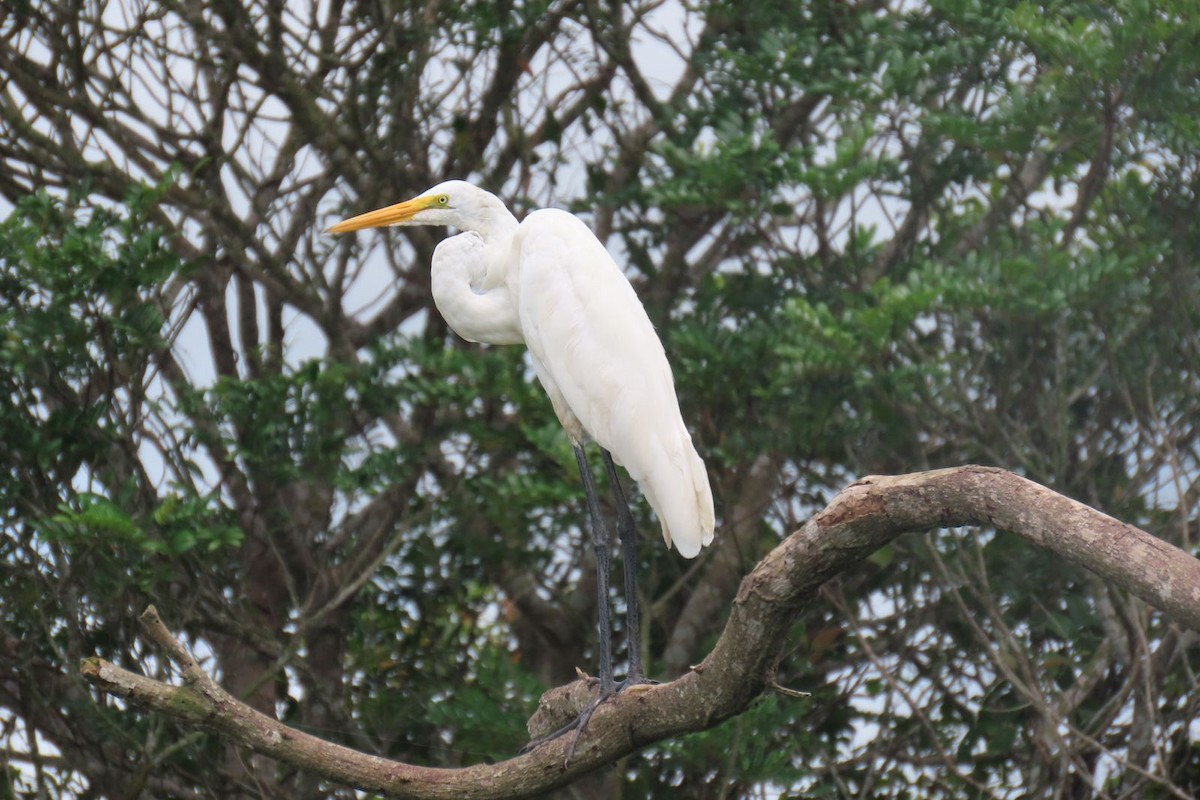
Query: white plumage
[550,283]
[602,364]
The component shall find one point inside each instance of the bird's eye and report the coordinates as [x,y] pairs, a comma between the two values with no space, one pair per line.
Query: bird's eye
[444,200]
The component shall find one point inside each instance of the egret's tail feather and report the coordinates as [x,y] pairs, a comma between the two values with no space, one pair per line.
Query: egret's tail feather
[680,494]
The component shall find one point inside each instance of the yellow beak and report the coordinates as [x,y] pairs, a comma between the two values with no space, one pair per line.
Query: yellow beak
[392,215]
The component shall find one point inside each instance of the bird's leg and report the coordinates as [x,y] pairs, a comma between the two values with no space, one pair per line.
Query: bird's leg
[603,546]
[628,535]
[600,540]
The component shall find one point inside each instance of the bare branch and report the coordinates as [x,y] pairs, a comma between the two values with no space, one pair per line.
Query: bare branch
[862,518]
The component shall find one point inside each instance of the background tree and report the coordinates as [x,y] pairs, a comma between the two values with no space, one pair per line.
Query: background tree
[874,238]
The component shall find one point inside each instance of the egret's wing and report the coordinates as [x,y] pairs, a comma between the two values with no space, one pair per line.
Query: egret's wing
[602,363]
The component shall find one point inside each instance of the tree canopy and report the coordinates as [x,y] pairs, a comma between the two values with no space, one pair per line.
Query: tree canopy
[874,237]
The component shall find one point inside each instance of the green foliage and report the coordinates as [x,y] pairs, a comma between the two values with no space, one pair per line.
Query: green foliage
[872,238]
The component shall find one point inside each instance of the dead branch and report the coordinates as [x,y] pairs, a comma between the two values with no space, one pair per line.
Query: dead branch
[862,518]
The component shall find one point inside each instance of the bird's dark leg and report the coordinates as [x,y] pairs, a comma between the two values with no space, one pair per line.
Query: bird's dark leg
[603,547]
[628,535]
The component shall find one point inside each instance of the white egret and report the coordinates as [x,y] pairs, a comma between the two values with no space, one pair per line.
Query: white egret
[549,283]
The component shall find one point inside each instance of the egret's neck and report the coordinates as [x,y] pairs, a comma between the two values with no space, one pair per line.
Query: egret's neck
[491,252]
[470,278]
[495,224]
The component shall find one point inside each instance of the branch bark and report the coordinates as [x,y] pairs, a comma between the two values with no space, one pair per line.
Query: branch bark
[862,518]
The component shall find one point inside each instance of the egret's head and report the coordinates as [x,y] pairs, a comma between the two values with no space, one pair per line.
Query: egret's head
[454,203]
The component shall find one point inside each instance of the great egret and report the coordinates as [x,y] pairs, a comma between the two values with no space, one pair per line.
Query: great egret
[549,283]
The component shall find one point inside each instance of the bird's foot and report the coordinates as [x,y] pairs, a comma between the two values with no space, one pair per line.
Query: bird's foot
[633,684]
[577,725]
[581,723]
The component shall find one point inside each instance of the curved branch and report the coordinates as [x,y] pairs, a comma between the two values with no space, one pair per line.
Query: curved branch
[862,518]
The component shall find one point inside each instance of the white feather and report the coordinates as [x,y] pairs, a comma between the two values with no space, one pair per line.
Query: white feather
[603,365]
[549,282]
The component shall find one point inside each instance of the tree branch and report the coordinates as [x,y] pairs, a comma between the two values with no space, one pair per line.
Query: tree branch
[862,518]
